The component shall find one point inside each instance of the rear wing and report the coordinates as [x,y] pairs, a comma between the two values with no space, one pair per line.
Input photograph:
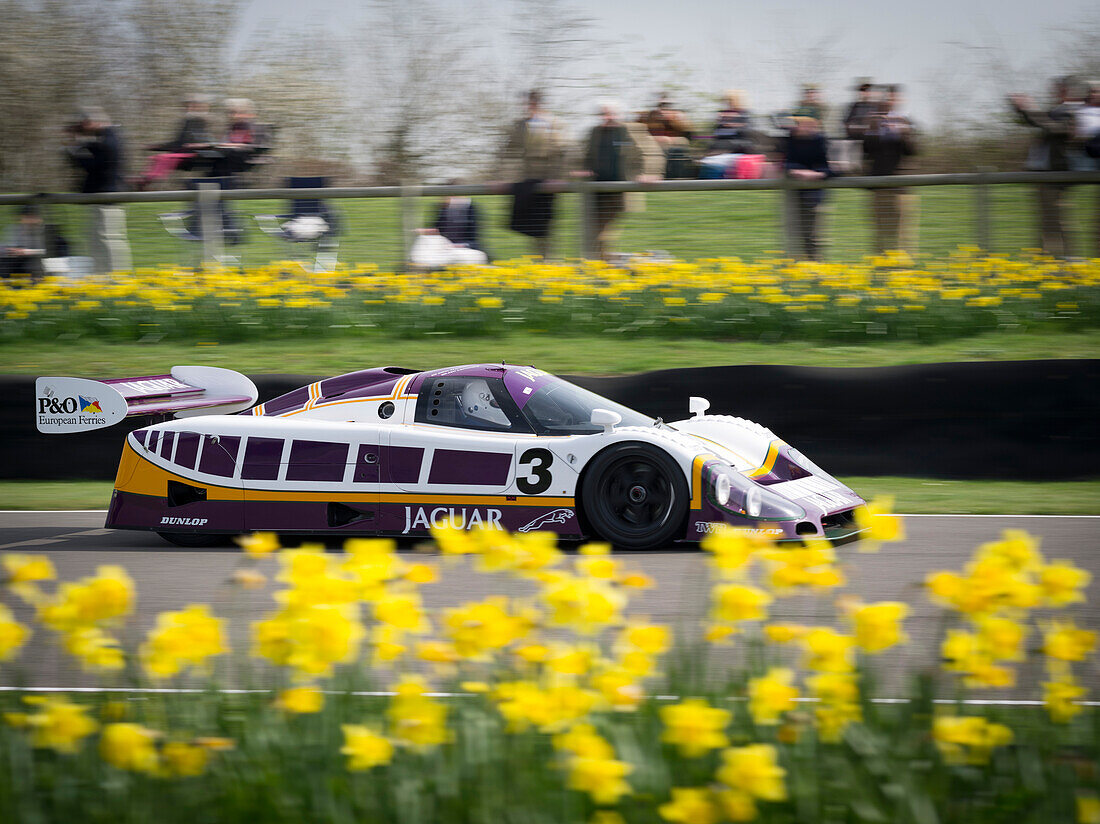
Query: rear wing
[79,404]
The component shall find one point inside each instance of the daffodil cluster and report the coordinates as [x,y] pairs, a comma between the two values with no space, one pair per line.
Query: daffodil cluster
[85,613]
[995,597]
[890,295]
[752,572]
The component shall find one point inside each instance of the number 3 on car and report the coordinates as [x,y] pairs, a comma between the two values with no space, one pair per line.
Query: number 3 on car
[391,451]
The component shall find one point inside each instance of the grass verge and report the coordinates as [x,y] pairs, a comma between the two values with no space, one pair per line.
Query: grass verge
[596,354]
[913,495]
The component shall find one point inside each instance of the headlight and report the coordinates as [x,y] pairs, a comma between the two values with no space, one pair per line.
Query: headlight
[732,492]
[752,503]
[722,489]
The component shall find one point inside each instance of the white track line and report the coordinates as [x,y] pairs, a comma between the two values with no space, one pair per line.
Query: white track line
[981,702]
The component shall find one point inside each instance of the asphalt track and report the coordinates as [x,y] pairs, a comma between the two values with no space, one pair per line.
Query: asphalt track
[170,578]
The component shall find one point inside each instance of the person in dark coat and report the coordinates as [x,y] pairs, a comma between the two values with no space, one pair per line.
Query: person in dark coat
[181,151]
[806,157]
[98,154]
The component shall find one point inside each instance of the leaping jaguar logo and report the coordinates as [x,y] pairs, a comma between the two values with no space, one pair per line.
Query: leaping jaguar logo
[558,516]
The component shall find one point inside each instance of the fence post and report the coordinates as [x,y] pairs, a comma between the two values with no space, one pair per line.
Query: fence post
[788,216]
[981,211]
[588,224]
[410,196]
[210,223]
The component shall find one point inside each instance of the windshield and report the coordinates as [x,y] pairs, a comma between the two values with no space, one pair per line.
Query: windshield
[561,408]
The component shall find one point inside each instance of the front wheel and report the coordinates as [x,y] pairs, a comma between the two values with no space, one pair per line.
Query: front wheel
[635,496]
[193,540]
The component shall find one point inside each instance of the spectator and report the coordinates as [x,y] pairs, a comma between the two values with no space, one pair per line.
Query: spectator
[24,246]
[733,130]
[672,130]
[811,105]
[243,140]
[888,142]
[805,157]
[614,151]
[1088,133]
[181,151]
[859,115]
[456,222]
[98,153]
[1050,153]
[533,154]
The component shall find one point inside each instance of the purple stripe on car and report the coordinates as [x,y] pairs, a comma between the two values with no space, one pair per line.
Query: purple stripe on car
[317,461]
[219,458]
[284,403]
[186,449]
[166,442]
[402,463]
[261,459]
[456,466]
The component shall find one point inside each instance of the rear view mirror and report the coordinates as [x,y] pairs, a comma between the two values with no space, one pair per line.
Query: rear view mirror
[605,418]
[698,406]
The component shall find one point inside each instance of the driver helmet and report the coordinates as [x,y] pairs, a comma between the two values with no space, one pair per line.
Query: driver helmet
[478,403]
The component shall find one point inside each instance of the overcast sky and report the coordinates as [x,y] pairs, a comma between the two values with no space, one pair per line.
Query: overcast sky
[756,46]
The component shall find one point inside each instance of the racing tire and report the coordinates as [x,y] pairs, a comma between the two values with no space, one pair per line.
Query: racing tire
[193,540]
[634,496]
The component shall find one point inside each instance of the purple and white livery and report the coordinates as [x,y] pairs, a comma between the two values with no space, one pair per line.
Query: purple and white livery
[393,451]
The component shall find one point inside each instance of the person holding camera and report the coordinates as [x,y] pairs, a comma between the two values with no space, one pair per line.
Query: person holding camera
[1050,152]
[888,142]
[97,151]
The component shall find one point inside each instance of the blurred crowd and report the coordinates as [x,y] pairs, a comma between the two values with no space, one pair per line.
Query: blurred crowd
[811,141]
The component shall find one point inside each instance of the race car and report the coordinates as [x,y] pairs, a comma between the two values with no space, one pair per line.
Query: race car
[393,451]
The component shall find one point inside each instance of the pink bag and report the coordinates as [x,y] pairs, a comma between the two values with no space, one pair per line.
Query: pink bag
[746,167]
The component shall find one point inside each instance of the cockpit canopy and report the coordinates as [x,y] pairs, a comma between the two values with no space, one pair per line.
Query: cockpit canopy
[518,401]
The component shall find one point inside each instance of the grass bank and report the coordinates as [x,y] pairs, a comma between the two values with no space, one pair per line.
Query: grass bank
[593,355]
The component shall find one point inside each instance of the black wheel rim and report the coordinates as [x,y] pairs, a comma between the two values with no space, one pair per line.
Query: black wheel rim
[637,496]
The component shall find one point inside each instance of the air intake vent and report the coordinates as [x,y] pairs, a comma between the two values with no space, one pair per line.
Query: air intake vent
[343,515]
[181,494]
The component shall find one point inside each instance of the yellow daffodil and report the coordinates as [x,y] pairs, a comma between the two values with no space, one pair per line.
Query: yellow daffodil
[301,700]
[365,748]
[772,695]
[56,723]
[878,625]
[12,634]
[968,740]
[694,727]
[130,747]
[690,805]
[259,544]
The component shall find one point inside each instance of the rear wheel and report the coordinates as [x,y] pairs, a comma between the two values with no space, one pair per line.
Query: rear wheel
[635,496]
[193,540]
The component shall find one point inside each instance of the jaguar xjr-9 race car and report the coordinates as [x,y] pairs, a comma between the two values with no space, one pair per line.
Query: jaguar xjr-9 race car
[393,451]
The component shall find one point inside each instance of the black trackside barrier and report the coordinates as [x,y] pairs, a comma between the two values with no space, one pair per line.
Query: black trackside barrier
[1009,420]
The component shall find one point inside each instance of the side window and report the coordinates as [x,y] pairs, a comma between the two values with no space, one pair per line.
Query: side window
[469,403]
